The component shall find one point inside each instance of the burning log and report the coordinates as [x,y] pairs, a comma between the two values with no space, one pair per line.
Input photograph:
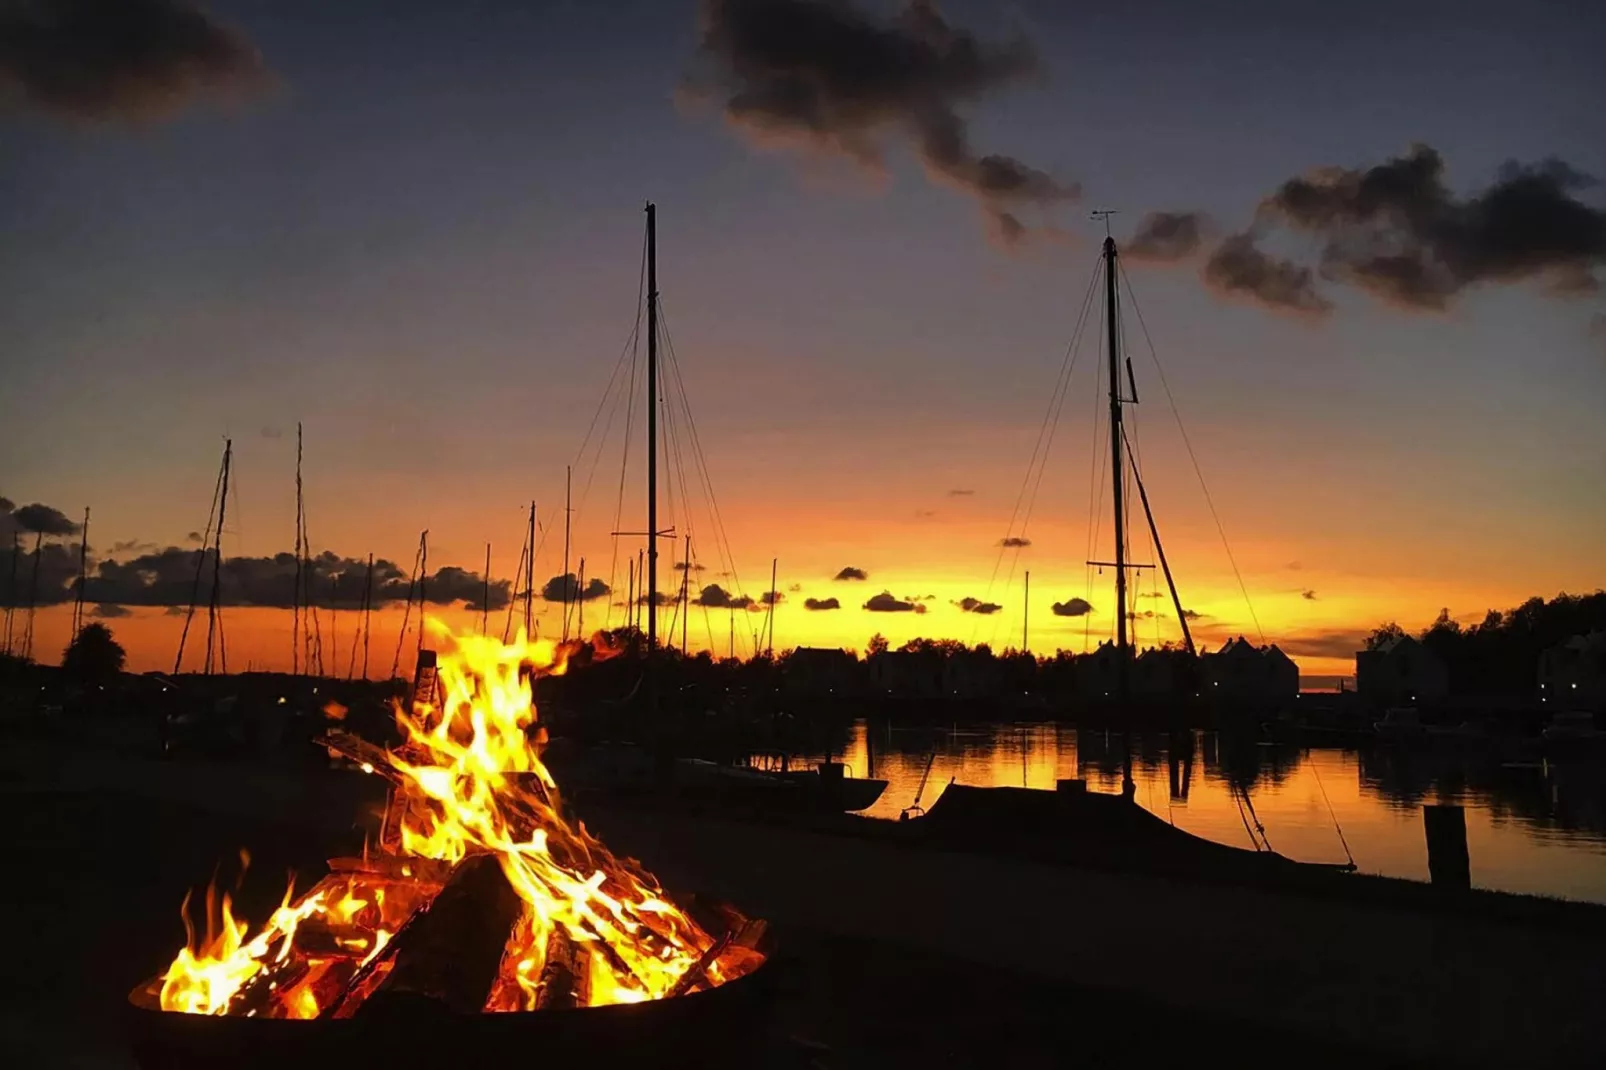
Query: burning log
[448,957]
[565,976]
[699,969]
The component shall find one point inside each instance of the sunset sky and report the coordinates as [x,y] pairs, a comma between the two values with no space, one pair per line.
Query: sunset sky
[416,228]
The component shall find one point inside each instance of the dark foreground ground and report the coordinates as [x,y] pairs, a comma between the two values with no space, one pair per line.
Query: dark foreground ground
[93,883]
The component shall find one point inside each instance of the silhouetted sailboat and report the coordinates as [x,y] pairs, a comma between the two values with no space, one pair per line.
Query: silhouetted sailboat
[1071,823]
[657,775]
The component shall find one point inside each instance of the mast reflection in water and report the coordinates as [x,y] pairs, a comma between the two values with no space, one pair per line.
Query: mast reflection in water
[1532,827]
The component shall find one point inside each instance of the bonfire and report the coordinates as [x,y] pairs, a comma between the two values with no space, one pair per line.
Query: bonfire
[480,895]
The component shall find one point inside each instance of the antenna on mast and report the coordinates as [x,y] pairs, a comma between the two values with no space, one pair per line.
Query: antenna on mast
[1103,215]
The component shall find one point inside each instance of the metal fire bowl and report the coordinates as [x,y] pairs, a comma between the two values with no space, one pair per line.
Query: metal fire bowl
[717,1027]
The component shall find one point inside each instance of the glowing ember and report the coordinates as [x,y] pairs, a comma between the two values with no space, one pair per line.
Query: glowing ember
[469,781]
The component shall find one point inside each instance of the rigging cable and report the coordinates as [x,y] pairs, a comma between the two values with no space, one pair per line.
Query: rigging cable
[1040,451]
[1197,471]
[722,546]
[1339,828]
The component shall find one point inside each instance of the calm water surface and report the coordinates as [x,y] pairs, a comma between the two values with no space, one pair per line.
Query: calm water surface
[1532,827]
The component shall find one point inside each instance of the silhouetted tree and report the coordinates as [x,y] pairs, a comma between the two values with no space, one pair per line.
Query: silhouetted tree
[94,655]
[878,645]
[1384,634]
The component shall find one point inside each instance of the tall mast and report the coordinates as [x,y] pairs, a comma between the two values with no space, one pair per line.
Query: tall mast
[529,581]
[423,575]
[485,595]
[367,612]
[296,639]
[568,489]
[1026,616]
[652,460]
[580,602]
[769,646]
[83,576]
[1117,478]
[685,599]
[214,620]
[11,591]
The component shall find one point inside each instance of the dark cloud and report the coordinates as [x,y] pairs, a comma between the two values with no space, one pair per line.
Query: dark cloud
[38,519]
[681,566]
[1239,267]
[167,578]
[1396,231]
[108,60]
[822,603]
[825,75]
[851,573]
[885,603]
[795,588]
[919,598]
[1189,614]
[1167,236]
[716,597]
[1014,542]
[961,493]
[110,611]
[1308,595]
[130,546]
[1074,607]
[771,597]
[194,536]
[567,588]
[976,605]
[664,599]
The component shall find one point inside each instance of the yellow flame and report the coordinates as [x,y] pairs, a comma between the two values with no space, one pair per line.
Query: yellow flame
[472,782]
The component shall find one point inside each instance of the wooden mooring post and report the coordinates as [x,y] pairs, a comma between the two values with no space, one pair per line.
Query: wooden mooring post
[1448,863]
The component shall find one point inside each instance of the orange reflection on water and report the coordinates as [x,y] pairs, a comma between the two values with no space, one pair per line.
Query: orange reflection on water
[1536,828]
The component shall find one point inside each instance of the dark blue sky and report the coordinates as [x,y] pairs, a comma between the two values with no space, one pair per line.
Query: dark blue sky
[424,240]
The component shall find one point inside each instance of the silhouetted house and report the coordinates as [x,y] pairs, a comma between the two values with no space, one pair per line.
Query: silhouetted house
[1154,675]
[820,672]
[1098,674]
[1242,672]
[1572,675]
[907,674]
[1401,672]
[969,674]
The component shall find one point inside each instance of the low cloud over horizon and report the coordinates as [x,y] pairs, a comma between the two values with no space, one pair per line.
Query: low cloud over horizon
[886,603]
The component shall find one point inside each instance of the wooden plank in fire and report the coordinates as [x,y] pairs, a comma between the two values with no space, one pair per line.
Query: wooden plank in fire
[448,958]
[565,979]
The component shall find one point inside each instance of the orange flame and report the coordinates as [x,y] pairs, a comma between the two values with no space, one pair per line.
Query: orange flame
[471,782]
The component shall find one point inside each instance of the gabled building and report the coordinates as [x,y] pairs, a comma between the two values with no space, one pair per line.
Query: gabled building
[1241,672]
[1401,672]
[1572,675]
[821,672]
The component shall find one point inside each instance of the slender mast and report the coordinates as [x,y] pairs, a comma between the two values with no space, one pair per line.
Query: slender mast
[214,618]
[1117,478]
[1026,616]
[83,576]
[485,595]
[652,460]
[685,600]
[367,613]
[769,648]
[529,581]
[568,489]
